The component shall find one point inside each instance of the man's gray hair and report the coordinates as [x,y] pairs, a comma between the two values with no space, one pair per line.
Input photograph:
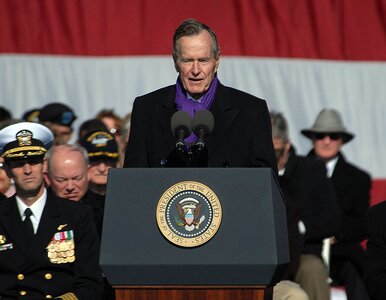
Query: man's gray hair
[279,126]
[192,27]
[68,147]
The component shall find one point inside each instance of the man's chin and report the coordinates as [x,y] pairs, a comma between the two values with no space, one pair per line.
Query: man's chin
[72,198]
[196,94]
[28,192]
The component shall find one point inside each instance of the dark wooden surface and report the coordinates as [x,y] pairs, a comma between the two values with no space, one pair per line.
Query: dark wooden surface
[193,293]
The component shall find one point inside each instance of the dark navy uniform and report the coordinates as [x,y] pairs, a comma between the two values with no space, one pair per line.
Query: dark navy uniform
[58,258]
[37,271]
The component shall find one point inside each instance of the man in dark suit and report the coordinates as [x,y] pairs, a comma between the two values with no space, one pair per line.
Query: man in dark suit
[242,131]
[375,255]
[304,182]
[68,176]
[352,188]
[48,246]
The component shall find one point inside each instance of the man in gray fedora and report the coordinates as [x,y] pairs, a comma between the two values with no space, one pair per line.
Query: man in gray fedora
[352,188]
[310,194]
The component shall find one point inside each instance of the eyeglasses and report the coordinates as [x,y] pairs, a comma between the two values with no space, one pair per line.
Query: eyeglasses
[332,136]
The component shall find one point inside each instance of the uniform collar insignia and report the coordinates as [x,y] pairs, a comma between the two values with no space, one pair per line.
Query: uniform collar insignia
[2,239]
[60,227]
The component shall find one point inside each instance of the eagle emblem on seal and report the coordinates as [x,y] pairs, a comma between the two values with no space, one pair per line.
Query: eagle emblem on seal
[189,214]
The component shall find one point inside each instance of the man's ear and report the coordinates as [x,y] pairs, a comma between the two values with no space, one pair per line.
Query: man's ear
[45,173]
[45,165]
[176,67]
[288,146]
[7,170]
[217,63]
[88,173]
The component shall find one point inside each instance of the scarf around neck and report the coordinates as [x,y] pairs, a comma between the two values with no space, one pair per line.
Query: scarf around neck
[184,103]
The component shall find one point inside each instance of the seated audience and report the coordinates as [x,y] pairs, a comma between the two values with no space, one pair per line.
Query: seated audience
[5,114]
[304,182]
[59,118]
[89,126]
[125,134]
[31,115]
[67,176]
[352,189]
[102,150]
[114,125]
[7,187]
[49,245]
[67,167]
[375,255]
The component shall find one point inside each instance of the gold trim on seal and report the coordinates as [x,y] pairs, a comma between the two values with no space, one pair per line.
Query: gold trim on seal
[195,235]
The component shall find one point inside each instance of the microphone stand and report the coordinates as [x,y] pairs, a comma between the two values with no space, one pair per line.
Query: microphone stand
[179,158]
[200,156]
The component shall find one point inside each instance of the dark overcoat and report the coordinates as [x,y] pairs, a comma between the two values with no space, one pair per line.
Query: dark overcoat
[38,269]
[241,137]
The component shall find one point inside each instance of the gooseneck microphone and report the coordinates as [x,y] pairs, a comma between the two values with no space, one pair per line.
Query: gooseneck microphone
[203,124]
[181,125]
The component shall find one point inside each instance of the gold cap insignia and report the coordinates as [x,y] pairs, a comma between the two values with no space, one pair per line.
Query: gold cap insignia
[24,137]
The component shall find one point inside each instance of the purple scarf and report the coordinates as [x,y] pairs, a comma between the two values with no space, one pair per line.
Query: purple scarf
[190,106]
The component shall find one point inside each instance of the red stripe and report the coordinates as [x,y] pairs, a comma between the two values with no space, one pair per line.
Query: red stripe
[326,29]
[378,191]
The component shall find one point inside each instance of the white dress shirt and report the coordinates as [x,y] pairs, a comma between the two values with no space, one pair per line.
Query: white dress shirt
[36,208]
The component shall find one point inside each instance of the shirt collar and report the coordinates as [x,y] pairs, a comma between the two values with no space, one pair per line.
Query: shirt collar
[191,98]
[36,208]
[330,165]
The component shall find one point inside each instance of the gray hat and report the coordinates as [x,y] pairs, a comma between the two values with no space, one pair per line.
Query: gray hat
[328,121]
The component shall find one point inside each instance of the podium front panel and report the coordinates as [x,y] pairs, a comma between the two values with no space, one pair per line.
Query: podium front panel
[249,248]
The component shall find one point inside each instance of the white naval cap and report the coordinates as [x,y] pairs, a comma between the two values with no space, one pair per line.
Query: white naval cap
[24,140]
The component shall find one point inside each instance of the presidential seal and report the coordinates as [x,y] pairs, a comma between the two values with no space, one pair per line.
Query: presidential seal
[189,214]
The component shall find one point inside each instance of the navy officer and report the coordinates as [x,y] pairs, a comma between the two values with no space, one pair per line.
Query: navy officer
[48,245]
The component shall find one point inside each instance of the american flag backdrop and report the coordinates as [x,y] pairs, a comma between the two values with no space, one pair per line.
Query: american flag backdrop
[301,56]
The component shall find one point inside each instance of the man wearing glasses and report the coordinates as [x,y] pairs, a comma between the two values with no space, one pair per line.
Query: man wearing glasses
[352,188]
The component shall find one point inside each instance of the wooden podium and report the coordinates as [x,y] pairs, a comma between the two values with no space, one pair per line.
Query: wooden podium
[243,259]
[190,293]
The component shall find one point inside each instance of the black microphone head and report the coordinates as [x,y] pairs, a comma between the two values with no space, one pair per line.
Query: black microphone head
[181,121]
[203,119]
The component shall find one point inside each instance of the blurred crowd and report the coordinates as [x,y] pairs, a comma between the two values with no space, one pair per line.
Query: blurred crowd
[327,198]
[76,167]
[60,118]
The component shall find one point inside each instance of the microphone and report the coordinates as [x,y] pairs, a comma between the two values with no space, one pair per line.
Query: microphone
[181,125]
[203,123]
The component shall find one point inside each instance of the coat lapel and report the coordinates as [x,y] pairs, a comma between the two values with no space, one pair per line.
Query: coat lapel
[224,116]
[164,113]
[339,176]
[13,226]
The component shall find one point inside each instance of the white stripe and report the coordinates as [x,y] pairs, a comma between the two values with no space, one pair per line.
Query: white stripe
[299,88]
